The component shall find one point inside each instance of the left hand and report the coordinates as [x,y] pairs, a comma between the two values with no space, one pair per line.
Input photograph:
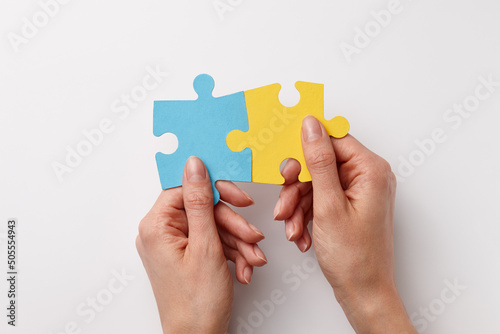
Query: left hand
[184,257]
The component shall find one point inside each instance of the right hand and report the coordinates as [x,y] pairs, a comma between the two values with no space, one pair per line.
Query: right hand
[353,207]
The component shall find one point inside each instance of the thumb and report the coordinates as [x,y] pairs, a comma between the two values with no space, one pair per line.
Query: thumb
[199,203]
[322,163]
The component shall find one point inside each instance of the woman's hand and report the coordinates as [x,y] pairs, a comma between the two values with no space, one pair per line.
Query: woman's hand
[184,243]
[351,200]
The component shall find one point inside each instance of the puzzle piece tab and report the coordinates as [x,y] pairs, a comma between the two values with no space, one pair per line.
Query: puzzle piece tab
[201,127]
[275,130]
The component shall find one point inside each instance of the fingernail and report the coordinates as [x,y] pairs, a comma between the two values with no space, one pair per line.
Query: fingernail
[259,253]
[289,229]
[302,245]
[284,166]
[256,230]
[311,129]
[248,196]
[247,274]
[195,170]
[277,209]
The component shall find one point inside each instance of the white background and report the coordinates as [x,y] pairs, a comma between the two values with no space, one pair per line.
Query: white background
[73,233]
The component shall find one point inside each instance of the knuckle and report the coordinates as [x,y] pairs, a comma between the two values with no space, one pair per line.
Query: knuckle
[143,228]
[321,159]
[138,244]
[197,200]
[384,166]
[382,174]
[148,229]
[393,180]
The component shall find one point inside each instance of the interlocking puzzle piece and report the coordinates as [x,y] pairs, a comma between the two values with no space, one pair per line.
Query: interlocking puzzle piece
[201,127]
[275,130]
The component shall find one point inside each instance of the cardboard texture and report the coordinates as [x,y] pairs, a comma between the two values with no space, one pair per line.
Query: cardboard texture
[240,137]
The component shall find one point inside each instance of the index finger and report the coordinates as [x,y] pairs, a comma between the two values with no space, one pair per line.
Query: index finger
[169,199]
[291,171]
[348,148]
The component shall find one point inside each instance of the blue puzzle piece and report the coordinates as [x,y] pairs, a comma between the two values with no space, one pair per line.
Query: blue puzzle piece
[201,127]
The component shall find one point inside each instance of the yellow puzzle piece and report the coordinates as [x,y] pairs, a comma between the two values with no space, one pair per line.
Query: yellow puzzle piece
[274,130]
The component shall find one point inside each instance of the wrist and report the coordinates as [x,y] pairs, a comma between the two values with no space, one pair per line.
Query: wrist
[179,329]
[377,310]
[193,326]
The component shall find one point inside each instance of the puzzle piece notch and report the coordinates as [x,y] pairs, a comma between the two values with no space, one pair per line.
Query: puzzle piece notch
[201,127]
[275,130]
